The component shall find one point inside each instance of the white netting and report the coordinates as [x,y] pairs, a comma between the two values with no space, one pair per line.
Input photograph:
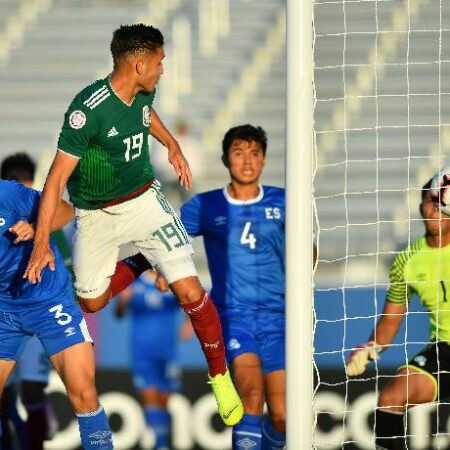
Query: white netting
[382,128]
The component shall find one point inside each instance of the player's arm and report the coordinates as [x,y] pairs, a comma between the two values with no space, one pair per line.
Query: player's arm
[398,295]
[161,283]
[186,330]
[122,303]
[159,131]
[64,214]
[25,231]
[383,334]
[388,325]
[191,215]
[42,254]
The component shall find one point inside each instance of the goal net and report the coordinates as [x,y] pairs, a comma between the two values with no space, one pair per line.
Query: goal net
[382,129]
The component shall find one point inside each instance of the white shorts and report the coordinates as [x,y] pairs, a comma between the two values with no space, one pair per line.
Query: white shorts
[147,224]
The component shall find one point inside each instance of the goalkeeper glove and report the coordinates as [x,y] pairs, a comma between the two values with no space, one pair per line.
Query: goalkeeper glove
[361,356]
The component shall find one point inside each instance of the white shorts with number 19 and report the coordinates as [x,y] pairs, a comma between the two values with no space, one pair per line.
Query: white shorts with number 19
[146,224]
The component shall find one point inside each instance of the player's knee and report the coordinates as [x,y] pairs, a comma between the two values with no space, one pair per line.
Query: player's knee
[392,399]
[188,290]
[93,305]
[253,401]
[32,392]
[84,399]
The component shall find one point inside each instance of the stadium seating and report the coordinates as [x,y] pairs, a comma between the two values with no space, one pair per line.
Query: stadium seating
[67,46]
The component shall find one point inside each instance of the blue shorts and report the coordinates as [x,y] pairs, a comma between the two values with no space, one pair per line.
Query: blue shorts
[158,373]
[261,334]
[33,364]
[57,323]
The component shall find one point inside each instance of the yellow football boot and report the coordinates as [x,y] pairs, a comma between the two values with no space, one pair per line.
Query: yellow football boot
[229,404]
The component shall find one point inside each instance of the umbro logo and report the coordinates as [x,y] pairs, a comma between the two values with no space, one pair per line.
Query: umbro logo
[100,434]
[113,132]
[69,331]
[246,443]
[220,220]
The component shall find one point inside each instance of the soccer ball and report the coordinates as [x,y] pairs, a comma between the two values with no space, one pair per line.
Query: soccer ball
[440,190]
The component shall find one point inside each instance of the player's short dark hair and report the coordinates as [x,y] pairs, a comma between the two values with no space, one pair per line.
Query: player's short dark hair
[19,167]
[245,132]
[131,39]
[426,188]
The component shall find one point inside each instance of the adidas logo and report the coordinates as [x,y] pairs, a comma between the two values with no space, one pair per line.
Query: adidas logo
[113,132]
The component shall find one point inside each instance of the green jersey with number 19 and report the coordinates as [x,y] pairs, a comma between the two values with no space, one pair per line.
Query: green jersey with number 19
[110,138]
[425,271]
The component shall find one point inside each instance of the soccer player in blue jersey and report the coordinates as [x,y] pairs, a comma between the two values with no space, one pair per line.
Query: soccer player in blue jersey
[31,374]
[154,337]
[242,226]
[48,310]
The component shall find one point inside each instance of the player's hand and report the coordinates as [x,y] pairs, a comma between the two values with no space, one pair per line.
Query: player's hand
[361,356]
[181,166]
[41,257]
[161,283]
[186,330]
[24,231]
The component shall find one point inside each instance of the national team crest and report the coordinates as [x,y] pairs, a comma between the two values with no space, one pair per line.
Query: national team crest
[146,116]
[77,119]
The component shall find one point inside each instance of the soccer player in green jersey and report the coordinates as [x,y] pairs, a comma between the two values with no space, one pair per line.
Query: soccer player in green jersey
[103,158]
[423,268]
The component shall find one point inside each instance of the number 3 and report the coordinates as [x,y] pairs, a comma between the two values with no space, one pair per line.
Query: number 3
[63,318]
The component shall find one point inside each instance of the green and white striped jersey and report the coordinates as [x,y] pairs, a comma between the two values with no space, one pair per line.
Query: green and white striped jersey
[425,271]
[111,140]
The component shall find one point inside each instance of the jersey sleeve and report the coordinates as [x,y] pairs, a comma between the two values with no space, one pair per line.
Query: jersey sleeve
[78,129]
[191,216]
[399,291]
[20,199]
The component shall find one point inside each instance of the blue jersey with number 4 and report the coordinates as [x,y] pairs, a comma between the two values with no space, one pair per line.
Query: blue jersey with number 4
[244,243]
[18,202]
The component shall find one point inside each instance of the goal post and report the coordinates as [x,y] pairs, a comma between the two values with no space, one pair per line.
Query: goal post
[299,217]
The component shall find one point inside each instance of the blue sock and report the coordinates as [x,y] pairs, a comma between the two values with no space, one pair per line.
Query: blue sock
[95,432]
[158,419]
[247,433]
[272,440]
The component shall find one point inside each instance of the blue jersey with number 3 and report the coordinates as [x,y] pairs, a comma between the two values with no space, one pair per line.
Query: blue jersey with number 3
[18,202]
[244,243]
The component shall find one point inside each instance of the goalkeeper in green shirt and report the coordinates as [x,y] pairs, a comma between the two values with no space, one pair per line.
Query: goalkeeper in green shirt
[422,268]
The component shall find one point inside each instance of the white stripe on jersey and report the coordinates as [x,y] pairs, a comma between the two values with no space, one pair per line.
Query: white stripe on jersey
[100,100]
[85,331]
[69,154]
[93,97]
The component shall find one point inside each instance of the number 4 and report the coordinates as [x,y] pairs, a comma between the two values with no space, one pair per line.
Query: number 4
[247,237]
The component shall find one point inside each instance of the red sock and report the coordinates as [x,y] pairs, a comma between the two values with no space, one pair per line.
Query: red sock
[127,271]
[207,327]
